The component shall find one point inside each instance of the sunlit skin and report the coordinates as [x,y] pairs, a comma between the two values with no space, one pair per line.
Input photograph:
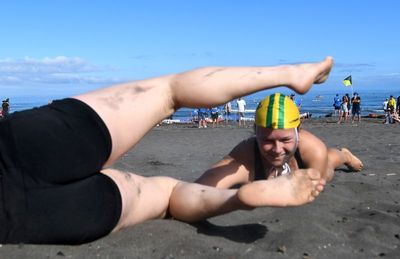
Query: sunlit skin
[146,198]
[121,115]
[275,145]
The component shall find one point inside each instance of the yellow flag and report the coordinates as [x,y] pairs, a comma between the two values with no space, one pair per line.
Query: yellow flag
[347,81]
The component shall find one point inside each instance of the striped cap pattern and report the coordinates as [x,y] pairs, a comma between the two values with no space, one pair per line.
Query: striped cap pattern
[277,111]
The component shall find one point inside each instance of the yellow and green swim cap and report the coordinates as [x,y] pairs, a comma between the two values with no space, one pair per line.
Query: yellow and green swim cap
[277,111]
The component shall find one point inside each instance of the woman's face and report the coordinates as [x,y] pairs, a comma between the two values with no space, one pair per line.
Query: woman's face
[275,145]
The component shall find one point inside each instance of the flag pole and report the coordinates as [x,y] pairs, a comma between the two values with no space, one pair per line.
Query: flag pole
[349,82]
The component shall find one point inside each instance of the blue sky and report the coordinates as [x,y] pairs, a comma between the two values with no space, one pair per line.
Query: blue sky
[70,46]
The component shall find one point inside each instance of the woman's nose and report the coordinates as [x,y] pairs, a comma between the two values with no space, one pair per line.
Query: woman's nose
[277,147]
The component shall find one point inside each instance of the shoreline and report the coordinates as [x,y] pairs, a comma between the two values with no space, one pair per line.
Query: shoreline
[249,122]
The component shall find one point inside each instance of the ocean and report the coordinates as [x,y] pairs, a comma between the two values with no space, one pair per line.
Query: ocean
[316,102]
[319,103]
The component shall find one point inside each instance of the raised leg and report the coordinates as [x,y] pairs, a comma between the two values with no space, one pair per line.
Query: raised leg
[130,110]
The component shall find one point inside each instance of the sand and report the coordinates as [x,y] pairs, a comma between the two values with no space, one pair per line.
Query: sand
[357,216]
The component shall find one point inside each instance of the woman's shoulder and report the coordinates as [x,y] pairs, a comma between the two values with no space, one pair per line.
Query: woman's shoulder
[243,151]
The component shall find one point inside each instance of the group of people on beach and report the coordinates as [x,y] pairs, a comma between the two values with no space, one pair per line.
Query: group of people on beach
[345,107]
[203,116]
[391,109]
[58,186]
[218,114]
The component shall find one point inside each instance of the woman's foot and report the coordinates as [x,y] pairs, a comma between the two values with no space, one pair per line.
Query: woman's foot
[305,75]
[298,188]
[352,162]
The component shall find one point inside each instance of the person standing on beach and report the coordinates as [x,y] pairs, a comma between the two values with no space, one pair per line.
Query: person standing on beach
[214,111]
[5,108]
[385,105]
[344,112]
[202,115]
[55,177]
[241,105]
[297,101]
[356,107]
[391,111]
[278,148]
[348,105]
[392,104]
[398,106]
[336,105]
[228,111]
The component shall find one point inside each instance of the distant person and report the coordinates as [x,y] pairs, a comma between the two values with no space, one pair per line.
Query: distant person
[57,184]
[395,117]
[356,108]
[228,111]
[344,112]
[392,117]
[195,116]
[385,105]
[241,104]
[398,105]
[392,104]
[297,101]
[391,111]
[5,108]
[203,115]
[348,105]
[214,116]
[386,111]
[336,105]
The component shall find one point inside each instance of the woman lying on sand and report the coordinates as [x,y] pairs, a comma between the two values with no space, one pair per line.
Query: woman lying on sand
[56,183]
[278,147]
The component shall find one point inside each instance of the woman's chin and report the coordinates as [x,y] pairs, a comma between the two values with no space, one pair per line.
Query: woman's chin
[276,161]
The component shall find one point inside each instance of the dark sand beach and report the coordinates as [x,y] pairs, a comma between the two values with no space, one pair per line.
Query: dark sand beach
[357,216]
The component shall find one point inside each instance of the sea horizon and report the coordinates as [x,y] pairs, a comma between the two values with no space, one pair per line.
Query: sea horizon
[317,101]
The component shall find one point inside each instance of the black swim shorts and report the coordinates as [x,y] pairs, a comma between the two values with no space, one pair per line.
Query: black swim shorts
[51,190]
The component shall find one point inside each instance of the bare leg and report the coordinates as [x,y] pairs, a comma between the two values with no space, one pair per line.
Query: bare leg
[352,162]
[142,198]
[201,201]
[151,198]
[340,117]
[130,110]
[337,158]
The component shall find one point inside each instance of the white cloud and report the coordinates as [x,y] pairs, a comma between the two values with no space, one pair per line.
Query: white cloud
[392,74]
[9,79]
[58,70]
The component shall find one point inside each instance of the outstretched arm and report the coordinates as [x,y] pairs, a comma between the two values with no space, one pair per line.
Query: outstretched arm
[231,170]
[226,173]
[316,155]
